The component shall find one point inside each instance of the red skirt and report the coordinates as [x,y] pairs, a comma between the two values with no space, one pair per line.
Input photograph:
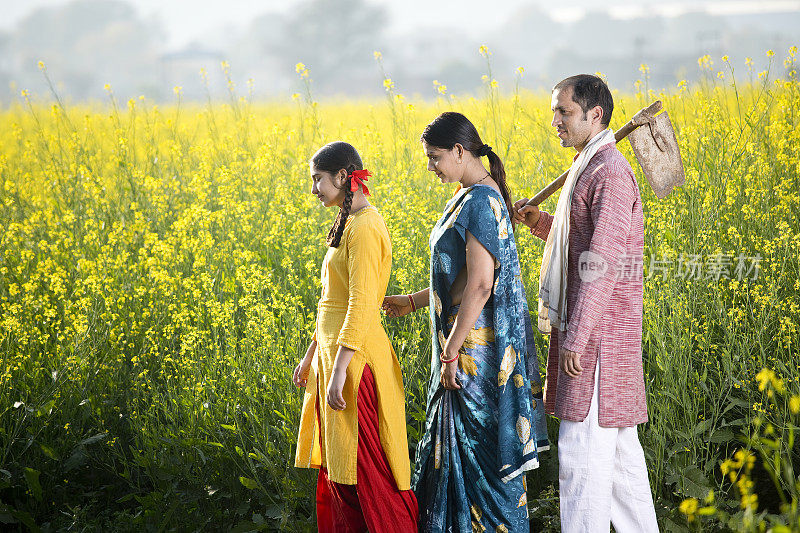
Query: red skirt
[374,504]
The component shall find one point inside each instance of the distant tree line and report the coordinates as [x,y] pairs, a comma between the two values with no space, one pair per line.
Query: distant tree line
[86,44]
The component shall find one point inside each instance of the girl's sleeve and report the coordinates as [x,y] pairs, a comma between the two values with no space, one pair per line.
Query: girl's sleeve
[366,250]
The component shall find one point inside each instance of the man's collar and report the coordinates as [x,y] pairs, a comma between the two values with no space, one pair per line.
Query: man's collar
[601,149]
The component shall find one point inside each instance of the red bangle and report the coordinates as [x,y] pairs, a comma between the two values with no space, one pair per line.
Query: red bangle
[413,305]
[450,360]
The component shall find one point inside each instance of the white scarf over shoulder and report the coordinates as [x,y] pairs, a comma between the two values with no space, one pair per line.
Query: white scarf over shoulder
[553,275]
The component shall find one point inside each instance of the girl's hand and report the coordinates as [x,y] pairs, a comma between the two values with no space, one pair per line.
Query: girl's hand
[449,374]
[335,386]
[396,306]
[300,375]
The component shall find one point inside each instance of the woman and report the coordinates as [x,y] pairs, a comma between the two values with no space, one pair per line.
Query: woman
[485,419]
[356,432]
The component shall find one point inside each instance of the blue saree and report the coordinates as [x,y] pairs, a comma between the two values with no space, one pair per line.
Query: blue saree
[480,439]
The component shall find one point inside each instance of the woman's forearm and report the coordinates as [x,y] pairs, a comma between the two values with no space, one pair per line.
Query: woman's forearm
[343,357]
[476,294]
[421,298]
[311,349]
[477,289]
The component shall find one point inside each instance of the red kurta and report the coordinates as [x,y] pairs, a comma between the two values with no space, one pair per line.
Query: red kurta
[604,310]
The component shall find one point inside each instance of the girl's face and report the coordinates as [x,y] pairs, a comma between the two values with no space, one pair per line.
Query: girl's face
[327,186]
[446,164]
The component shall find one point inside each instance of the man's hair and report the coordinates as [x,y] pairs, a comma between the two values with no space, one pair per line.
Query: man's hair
[589,91]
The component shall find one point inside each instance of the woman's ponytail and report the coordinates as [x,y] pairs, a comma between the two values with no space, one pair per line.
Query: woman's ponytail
[498,173]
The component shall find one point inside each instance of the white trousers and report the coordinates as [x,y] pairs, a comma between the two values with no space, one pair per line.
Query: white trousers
[602,477]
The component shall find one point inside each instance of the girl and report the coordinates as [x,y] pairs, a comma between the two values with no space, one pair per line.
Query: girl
[485,419]
[353,424]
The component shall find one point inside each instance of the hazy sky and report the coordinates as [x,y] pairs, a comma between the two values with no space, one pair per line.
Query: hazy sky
[188,20]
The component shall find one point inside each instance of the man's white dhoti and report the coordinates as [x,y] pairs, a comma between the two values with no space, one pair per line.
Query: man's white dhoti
[603,477]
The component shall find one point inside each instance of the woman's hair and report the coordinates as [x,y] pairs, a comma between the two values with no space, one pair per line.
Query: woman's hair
[332,158]
[450,128]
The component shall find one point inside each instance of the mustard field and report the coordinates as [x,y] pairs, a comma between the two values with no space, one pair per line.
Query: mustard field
[160,271]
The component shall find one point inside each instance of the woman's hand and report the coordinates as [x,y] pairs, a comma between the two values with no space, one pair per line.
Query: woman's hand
[335,386]
[527,214]
[397,305]
[300,374]
[449,373]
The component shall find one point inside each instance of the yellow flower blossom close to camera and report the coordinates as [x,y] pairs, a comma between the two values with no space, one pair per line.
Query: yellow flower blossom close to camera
[794,404]
[689,508]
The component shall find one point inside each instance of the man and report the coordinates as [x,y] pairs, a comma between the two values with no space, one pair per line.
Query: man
[591,304]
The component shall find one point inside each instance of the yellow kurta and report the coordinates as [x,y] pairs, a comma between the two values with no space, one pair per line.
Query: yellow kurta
[354,280]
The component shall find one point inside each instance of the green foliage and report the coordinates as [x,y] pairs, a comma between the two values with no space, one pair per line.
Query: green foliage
[160,272]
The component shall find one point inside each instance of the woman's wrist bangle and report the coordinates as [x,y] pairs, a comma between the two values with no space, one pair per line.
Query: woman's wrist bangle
[445,361]
[411,300]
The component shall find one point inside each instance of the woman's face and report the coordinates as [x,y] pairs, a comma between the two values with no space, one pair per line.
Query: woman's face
[327,186]
[446,164]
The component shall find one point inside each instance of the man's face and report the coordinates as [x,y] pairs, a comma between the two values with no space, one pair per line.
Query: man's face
[571,123]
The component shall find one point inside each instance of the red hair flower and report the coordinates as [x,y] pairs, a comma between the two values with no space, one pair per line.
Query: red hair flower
[357,179]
